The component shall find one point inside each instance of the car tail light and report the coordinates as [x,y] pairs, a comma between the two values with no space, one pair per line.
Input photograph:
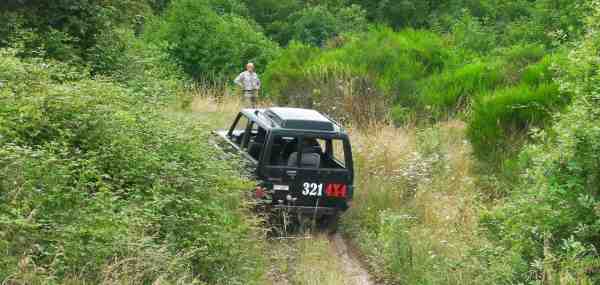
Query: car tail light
[260,192]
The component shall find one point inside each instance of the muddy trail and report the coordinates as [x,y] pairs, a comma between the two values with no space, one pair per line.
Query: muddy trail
[317,258]
[352,266]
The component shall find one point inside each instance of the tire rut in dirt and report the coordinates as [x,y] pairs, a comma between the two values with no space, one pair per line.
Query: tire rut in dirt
[285,232]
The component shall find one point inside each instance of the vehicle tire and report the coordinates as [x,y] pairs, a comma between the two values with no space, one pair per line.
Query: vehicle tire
[329,223]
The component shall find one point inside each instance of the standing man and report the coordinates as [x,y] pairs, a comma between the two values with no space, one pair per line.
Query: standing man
[250,84]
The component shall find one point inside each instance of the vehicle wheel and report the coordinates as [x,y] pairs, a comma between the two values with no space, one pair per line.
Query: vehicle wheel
[329,223]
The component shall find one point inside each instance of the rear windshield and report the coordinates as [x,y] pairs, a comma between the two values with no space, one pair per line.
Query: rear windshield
[308,152]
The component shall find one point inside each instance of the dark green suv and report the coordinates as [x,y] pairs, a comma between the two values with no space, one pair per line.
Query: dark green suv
[302,159]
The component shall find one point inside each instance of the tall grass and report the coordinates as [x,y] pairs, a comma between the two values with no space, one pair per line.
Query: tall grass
[451,91]
[499,120]
[415,212]
[372,71]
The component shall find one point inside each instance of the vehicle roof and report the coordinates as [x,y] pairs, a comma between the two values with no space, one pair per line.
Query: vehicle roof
[296,119]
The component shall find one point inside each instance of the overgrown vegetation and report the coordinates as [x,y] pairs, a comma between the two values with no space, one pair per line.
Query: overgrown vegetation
[98,186]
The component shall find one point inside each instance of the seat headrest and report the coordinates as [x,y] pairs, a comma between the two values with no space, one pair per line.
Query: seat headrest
[309,160]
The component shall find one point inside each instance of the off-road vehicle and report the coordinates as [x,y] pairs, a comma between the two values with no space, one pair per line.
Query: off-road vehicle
[301,158]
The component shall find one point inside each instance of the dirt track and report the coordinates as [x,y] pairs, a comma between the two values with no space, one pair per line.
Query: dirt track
[316,258]
[351,264]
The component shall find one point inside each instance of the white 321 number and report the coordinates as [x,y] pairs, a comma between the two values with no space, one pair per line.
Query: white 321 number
[312,189]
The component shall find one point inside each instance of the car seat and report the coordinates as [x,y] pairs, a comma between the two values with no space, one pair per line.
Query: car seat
[308,160]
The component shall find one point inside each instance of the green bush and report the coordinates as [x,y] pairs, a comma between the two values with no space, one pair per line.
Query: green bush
[274,17]
[499,119]
[96,186]
[391,61]
[67,29]
[543,71]
[360,77]
[551,218]
[143,66]
[470,34]
[398,14]
[316,25]
[208,45]
[285,75]
[395,61]
[452,90]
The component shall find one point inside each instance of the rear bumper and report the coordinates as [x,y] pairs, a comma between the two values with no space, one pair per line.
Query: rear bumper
[307,210]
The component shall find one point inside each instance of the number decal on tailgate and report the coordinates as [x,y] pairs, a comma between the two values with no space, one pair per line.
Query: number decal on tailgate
[312,189]
[331,190]
[336,190]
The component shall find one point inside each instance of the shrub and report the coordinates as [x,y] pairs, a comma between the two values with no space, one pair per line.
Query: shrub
[551,219]
[314,25]
[138,63]
[500,118]
[522,54]
[274,17]
[543,71]
[317,24]
[97,186]
[393,60]
[452,90]
[380,65]
[470,34]
[207,45]
[66,29]
[285,75]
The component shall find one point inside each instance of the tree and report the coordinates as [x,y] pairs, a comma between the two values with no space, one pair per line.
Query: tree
[67,29]
[208,45]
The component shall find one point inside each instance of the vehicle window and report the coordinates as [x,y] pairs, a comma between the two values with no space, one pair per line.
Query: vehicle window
[239,129]
[322,145]
[338,152]
[311,152]
[282,149]
[256,141]
[241,124]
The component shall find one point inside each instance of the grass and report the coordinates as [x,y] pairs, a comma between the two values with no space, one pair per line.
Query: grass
[310,259]
[415,213]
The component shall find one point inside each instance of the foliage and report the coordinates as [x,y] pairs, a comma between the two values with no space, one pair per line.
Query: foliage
[67,29]
[552,219]
[452,90]
[498,119]
[207,45]
[99,187]
[398,14]
[142,66]
[316,25]
[286,72]
[378,66]
[273,16]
